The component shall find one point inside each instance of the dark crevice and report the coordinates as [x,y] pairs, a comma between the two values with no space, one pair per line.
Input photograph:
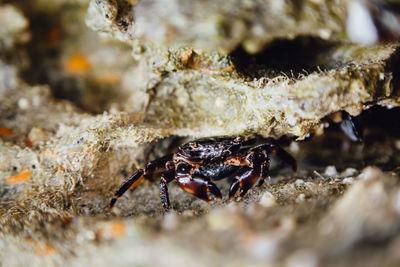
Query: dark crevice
[293,58]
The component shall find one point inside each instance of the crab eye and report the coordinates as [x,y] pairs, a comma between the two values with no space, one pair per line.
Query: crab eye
[193,145]
[237,140]
[183,168]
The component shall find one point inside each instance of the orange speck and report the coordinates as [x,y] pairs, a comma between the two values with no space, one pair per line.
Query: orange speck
[28,142]
[5,131]
[59,168]
[111,231]
[45,249]
[196,64]
[78,64]
[185,56]
[117,229]
[21,177]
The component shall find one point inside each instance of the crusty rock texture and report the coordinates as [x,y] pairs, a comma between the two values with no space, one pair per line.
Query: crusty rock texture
[279,88]
[82,110]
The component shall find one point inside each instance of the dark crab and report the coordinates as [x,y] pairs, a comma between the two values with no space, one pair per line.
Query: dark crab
[196,163]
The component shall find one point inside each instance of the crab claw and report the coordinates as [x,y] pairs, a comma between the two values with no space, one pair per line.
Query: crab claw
[244,180]
[213,189]
[199,187]
[234,187]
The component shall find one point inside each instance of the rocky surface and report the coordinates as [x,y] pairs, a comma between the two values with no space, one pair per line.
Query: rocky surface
[79,113]
[279,84]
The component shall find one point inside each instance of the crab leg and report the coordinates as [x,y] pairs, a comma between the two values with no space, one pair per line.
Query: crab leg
[264,171]
[136,177]
[156,166]
[166,177]
[268,149]
[256,165]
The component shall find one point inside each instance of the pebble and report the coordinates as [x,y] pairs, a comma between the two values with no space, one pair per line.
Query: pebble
[23,103]
[299,182]
[37,135]
[349,172]
[170,221]
[330,171]
[348,180]
[268,200]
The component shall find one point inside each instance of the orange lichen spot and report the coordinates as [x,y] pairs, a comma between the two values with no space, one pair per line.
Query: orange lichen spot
[111,78]
[59,168]
[185,56]
[117,229]
[77,64]
[112,231]
[197,64]
[5,131]
[28,142]
[21,177]
[45,249]
[54,36]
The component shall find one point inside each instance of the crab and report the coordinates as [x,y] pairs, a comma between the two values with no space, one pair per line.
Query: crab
[197,163]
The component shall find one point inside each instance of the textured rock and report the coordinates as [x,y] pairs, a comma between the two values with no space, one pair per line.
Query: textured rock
[60,164]
[284,89]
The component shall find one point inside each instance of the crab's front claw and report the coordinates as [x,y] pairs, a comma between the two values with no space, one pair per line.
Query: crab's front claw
[213,189]
[199,187]
[243,181]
